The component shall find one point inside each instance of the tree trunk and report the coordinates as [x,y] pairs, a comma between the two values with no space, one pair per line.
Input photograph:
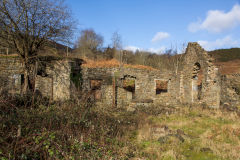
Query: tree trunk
[25,84]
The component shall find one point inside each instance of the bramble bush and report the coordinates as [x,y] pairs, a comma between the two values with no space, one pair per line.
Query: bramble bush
[67,130]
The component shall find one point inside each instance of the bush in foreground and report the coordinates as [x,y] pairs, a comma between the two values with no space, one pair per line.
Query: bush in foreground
[62,131]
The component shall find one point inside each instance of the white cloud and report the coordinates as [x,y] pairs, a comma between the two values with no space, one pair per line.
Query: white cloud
[132,48]
[160,36]
[157,50]
[153,50]
[218,21]
[227,41]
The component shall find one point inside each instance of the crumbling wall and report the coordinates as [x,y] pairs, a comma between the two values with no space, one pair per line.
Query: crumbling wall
[169,97]
[114,92]
[43,86]
[59,79]
[54,83]
[230,92]
[198,81]
[11,72]
[208,88]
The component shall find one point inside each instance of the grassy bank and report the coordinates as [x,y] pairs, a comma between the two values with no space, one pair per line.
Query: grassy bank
[191,133]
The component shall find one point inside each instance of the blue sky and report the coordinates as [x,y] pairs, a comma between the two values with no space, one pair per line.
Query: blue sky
[155,25]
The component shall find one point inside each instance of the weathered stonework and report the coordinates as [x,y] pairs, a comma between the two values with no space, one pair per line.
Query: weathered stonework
[11,70]
[199,78]
[144,87]
[197,81]
[54,83]
[230,89]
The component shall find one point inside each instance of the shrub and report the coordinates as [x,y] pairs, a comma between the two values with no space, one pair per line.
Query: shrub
[61,131]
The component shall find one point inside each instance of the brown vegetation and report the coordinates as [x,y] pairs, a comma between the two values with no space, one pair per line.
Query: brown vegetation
[229,67]
[70,130]
[79,129]
[111,64]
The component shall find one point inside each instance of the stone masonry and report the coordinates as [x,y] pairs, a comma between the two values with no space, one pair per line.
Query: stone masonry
[11,71]
[52,81]
[199,78]
[197,81]
[113,79]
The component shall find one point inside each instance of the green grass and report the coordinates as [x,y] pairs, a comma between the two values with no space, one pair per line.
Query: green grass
[211,129]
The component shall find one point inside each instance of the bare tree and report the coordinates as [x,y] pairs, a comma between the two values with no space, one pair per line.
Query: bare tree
[89,43]
[117,41]
[117,46]
[174,59]
[141,57]
[27,26]
[177,58]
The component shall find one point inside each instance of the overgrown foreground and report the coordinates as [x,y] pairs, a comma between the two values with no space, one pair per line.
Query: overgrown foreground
[80,130]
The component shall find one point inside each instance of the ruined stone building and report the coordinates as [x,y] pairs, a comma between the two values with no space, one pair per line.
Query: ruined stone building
[52,78]
[197,81]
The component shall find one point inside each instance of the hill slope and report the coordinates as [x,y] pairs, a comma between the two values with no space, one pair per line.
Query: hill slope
[228,60]
[224,55]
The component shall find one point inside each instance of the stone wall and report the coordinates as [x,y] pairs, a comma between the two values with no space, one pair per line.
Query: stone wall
[60,72]
[171,96]
[53,83]
[56,85]
[11,71]
[199,78]
[112,85]
[230,91]
[197,81]
[43,86]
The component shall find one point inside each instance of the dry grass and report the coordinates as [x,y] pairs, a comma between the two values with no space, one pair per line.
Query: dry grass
[113,63]
[86,131]
[208,134]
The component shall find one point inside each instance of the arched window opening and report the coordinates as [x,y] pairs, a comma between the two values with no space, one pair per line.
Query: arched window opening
[197,78]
